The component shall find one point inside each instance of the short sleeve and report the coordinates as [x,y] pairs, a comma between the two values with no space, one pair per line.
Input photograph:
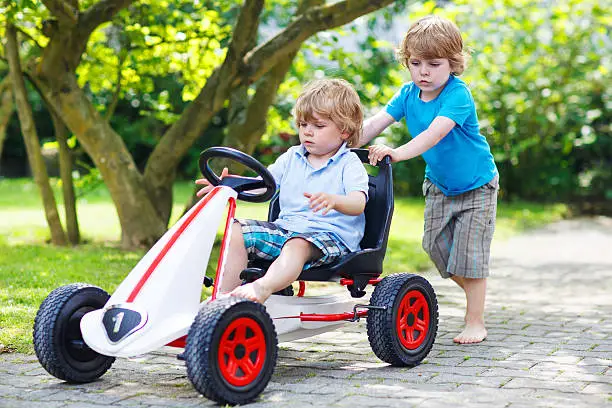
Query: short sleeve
[355,176]
[278,167]
[458,105]
[397,105]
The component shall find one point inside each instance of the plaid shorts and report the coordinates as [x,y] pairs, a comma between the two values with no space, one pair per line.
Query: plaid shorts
[459,229]
[264,240]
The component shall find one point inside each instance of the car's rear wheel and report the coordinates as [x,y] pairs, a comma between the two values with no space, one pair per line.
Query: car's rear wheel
[402,328]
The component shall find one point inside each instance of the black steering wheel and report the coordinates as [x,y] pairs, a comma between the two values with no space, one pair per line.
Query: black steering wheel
[238,183]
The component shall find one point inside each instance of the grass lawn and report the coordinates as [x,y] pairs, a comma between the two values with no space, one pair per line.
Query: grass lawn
[30,268]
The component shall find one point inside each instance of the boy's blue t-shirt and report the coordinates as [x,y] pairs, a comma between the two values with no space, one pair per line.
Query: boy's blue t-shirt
[462,160]
[342,174]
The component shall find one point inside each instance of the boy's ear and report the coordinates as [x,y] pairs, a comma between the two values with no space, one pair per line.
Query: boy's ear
[455,68]
[345,135]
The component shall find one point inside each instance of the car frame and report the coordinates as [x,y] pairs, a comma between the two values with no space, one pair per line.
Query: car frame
[231,344]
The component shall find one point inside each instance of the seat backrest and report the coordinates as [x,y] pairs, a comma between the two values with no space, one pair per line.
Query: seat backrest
[378,210]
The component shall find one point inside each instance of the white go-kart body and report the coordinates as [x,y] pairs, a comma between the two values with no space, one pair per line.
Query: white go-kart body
[156,303]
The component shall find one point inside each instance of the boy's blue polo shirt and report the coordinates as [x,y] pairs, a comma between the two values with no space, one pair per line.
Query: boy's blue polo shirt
[462,160]
[342,174]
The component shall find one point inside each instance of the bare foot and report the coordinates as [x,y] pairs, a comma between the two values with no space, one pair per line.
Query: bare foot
[252,291]
[473,333]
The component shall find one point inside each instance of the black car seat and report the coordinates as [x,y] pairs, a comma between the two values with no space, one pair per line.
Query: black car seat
[366,264]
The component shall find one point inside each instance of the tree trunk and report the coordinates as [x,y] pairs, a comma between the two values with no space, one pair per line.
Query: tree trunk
[161,166]
[65,164]
[245,132]
[7,107]
[24,111]
[248,117]
[141,224]
[55,77]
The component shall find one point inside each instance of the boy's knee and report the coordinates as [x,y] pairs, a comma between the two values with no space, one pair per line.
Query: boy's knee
[299,247]
[237,237]
[297,244]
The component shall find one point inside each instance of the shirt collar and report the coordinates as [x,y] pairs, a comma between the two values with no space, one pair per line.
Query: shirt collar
[301,151]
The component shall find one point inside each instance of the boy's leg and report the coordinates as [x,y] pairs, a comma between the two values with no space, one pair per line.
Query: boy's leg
[469,259]
[235,261]
[475,293]
[437,242]
[296,252]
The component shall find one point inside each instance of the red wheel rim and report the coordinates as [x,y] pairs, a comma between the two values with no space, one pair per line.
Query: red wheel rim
[242,352]
[412,322]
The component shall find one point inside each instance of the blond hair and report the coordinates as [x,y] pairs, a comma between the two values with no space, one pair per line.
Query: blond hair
[434,37]
[334,99]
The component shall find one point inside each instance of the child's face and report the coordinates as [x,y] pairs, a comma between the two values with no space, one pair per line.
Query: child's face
[429,75]
[321,136]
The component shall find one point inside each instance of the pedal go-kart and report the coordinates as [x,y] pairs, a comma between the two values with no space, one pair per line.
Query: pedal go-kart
[230,344]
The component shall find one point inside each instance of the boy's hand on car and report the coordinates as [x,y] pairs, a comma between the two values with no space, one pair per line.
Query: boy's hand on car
[321,201]
[207,186]
[378,152]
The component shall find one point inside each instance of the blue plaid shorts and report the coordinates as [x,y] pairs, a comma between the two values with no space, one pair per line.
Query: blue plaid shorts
[264,240]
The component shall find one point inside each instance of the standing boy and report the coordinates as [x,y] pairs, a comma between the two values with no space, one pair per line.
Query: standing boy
[323,192]
[461,179]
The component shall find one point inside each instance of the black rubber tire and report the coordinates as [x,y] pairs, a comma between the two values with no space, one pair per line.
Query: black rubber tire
[211,326]
[385,338]
[58,342]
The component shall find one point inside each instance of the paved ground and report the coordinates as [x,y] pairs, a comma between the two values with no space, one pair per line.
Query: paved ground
[549,313]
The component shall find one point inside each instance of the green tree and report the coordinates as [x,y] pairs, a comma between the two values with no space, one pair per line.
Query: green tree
[216,47]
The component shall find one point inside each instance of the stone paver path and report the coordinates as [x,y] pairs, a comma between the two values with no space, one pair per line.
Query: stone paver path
[549,314]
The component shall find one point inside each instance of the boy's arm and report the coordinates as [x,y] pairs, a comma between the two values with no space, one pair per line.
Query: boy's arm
[437,130]
[351,204]
[373,126]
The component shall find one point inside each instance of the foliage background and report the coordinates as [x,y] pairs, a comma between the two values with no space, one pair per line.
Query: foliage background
[539,72]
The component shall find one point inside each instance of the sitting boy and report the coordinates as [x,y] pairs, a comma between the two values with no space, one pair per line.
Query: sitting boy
[323,192]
